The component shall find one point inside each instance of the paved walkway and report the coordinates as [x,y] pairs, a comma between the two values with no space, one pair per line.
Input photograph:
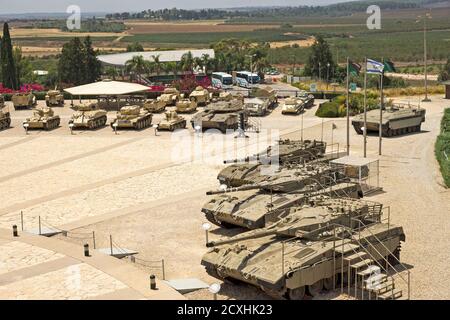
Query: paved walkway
[35,267]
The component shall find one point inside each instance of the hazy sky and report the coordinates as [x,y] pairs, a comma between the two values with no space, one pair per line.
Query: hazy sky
[31,6]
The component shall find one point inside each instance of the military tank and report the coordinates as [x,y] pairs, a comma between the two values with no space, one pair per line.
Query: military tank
[43,118]
[172,122]
[397,120]
[23,100]
[5,117]
[250,209]
[169,97]
[54,98]
[132,117]
[200,96]
[154,106]
[292,105]
[307,99]
[287,151]
[186,106]
[256,106]
[222,115]
[88,116]
[311,248]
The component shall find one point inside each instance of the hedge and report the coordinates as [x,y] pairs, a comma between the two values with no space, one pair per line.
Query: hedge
[442,147]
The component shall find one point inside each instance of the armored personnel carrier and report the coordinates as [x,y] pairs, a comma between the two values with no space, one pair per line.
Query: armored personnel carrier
[88,116]
[132,117]
[43,118]
[311,248]
[397,119]
[186,106]
[5,118]
[222,115]
[200,95]
[54,98]
[169,97]
[266,94]
[292,106]
[154,106]
[287,151]
[256,106]
[250,209]
[23,100]
[172,122]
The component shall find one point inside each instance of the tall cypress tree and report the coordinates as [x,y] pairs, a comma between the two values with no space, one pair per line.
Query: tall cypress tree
[8,67]
[91,63]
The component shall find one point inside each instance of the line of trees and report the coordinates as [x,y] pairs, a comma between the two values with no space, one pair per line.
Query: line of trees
[78,63]
[340,9]
[230,55]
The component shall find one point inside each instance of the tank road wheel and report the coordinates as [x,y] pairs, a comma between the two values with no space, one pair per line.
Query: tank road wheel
[91,124]
[296,294]
[315,288]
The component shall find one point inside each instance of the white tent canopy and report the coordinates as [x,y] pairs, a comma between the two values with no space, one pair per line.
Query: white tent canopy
[106,88]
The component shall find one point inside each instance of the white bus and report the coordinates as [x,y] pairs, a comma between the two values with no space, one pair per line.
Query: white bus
[222,80]
[246,79]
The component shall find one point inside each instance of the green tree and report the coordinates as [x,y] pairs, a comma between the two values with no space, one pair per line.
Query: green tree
[172,67]
[137,65]
[320,60]
[71,65]
[444,75]
[135,47]
[23,66]
[187,62]
[8,67]
[92,66]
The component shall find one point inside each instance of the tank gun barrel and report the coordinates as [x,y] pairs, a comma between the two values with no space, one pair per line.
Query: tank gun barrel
[242,188]
[254,235]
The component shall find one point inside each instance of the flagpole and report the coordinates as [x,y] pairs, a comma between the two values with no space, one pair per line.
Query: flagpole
[381,111]
[365,108]
[348,104]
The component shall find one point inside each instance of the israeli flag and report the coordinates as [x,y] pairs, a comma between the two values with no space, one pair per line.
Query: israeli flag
[374,67]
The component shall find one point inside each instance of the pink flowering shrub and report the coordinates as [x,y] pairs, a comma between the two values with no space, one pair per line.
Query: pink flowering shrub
[23,88]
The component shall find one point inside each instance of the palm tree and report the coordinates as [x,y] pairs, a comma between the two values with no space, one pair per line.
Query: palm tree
[172,67]
[187,62]
[157,64]
[207,62]
[111,72]
[136,65]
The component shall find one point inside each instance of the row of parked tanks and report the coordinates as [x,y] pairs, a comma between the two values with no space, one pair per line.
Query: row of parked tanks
[303,227]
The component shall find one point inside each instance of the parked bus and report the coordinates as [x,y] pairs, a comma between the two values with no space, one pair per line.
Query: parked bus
[222,80]
[246,79]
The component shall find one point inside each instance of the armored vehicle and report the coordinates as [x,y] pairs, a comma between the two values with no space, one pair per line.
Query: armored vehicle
[132,117]
[54,98]
[256,106]
[172,122]
[5,118]
[397,119]
[287,151]
[23,100]
[88,116]
[43,118]
[267,94]
[186,106]
[292,106]
[308,99]
[154,106]
[250,209]
[200,95]
[311,248]
[222,115]
[169,97]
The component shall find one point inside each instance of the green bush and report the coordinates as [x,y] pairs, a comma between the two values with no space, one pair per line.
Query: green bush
[337,106]
[442,147]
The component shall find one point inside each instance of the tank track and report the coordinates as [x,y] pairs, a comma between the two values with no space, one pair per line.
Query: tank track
[180,125]
[5,123]
[97,123]
[143,123]
[387,132]
[52,124]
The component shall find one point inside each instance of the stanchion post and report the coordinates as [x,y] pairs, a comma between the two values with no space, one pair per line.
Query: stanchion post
[86,250]
[163,270]
[111,244]
[15,233]
[152,282]
[93,239]
[40,229]
[21,219]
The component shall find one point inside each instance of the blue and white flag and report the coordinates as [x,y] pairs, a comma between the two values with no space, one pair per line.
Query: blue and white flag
[374,67]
